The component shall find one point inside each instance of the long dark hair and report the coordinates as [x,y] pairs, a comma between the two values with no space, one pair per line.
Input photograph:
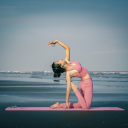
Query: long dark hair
[57,69]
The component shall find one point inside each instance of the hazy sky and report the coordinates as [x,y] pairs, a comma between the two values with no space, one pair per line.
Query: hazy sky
[95,30]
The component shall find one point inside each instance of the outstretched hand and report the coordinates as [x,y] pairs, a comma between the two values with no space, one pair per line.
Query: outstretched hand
[66,106]
[52,43]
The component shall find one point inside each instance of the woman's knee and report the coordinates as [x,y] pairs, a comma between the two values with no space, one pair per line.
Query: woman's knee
[86,107]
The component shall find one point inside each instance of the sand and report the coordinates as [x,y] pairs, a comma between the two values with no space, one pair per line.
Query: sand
[61,119]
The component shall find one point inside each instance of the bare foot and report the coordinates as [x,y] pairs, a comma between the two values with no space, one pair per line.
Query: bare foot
[56,105]
[74,87]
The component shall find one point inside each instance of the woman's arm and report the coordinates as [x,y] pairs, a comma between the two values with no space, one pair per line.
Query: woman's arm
[67,50]
[68,79]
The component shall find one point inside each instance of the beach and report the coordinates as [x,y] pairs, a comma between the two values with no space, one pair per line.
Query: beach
[42,90]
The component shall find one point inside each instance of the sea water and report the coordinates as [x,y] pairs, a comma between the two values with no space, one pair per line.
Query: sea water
[40,88]
[103,78]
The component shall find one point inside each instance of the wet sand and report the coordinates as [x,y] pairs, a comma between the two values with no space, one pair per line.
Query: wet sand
[43,97]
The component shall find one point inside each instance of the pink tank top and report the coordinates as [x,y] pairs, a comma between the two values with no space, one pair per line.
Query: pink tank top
[82,71]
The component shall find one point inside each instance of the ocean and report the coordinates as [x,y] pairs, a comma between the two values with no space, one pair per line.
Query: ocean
[42,86]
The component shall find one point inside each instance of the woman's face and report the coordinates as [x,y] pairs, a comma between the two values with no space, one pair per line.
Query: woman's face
[61,62]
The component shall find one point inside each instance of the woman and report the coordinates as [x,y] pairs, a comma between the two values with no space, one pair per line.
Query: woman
[73,69]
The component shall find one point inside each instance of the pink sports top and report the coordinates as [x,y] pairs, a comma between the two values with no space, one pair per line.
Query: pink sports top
[82,71]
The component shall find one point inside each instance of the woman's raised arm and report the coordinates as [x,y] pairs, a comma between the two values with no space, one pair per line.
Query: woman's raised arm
[67,50]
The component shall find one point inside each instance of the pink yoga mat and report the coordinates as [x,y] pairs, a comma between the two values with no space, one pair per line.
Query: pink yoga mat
[60,109]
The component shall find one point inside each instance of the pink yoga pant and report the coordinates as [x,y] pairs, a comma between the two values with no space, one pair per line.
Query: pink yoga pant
[84,96]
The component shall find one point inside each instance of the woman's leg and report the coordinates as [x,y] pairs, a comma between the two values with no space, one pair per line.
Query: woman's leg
[71,104]
[88,94]
[85,97]
[87,90]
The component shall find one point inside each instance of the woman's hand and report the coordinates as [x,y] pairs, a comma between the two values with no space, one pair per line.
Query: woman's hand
[66,106]
[52,43]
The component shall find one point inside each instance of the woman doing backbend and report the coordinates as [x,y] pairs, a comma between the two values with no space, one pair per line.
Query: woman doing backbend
[73,69]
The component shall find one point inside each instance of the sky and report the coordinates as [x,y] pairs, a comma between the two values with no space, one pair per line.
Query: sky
[95,30]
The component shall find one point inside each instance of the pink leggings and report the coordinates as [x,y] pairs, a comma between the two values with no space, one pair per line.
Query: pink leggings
[84,96]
